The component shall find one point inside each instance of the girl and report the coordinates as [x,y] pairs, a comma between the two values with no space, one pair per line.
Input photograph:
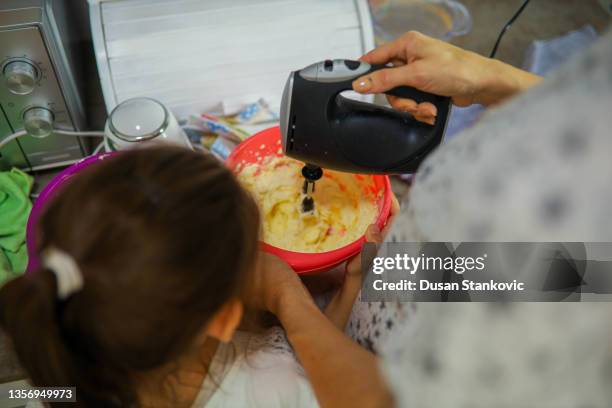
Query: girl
[147,258]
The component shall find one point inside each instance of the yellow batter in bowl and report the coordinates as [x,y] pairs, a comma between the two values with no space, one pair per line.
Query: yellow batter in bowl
[343,207]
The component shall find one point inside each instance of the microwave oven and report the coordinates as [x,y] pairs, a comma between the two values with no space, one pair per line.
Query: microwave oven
[40,83]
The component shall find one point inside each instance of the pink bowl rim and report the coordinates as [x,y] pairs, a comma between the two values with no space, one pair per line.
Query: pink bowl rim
[44,198]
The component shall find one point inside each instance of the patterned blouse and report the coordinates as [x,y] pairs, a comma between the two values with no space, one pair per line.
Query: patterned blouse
[538,168]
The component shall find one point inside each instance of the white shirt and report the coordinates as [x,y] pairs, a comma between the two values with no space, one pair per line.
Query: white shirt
[256,370]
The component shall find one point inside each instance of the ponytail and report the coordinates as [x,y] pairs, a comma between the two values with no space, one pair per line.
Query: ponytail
[31,316]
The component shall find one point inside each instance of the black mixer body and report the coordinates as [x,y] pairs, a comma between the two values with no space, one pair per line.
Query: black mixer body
[322,128]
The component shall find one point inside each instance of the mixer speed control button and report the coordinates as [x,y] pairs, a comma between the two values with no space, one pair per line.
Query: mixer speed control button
[38,122]
[328,65]
[20,77]
[352,65]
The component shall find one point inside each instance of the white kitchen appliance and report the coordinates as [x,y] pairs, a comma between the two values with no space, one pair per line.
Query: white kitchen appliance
[39,84]
[139,122]
[216,55]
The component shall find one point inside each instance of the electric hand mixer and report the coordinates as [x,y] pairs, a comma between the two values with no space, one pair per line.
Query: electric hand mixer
[327,130]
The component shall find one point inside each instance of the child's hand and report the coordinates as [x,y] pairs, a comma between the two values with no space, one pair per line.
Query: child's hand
[274,283]
[374,235]
[339,308]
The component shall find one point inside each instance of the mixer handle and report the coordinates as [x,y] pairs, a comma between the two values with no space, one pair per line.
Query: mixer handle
[407,92]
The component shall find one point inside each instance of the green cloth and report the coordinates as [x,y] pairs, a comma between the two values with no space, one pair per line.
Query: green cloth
[15,207]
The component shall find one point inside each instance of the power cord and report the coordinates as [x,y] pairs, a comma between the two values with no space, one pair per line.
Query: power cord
[61,132]
[507,27]
[98,149]
[12,137]
[78,133]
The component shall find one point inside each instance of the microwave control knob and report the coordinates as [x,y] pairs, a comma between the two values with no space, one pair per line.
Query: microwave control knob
[20,77]
[38,122]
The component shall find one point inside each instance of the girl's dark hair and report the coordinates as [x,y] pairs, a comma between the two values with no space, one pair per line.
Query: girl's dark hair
[163,237]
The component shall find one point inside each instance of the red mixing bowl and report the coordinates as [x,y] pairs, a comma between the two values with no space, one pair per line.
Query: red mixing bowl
[268,143]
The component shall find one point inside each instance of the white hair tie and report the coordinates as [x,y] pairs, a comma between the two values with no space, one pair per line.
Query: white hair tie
[67,273]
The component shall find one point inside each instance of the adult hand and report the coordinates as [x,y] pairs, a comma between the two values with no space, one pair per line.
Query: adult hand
[440,68]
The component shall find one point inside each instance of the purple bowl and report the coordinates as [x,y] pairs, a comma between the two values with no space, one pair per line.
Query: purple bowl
[45,198]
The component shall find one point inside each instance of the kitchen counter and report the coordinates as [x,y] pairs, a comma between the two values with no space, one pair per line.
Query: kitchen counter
[542,19]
